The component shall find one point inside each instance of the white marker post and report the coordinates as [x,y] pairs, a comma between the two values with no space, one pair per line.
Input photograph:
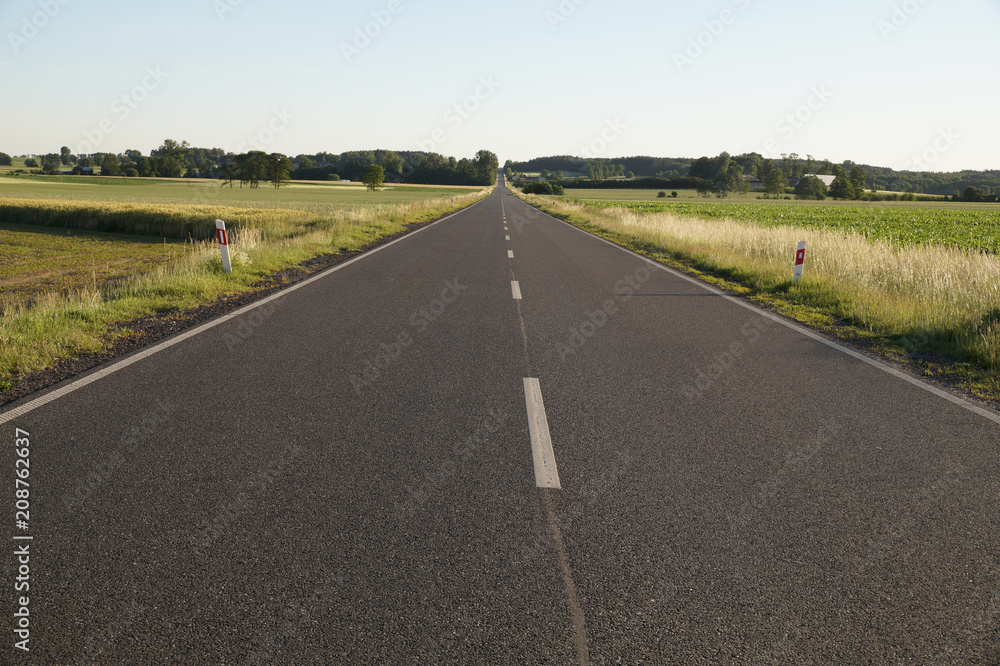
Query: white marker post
[220,231]
[800,261]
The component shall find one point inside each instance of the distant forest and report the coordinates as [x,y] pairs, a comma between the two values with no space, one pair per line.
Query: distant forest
[793,167]
[179,160]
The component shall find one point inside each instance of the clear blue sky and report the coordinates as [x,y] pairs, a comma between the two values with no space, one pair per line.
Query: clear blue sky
[887,80]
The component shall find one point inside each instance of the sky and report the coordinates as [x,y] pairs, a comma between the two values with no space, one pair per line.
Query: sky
[903,84]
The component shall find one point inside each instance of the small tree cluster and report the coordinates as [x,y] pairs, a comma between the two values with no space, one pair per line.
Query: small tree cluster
[255,167]
[810,187]
[554,189]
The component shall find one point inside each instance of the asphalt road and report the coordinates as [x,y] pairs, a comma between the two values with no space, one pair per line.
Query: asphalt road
[347,474]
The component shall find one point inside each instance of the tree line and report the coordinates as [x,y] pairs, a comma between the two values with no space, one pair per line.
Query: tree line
[175,159]
[406,166]
[563,168]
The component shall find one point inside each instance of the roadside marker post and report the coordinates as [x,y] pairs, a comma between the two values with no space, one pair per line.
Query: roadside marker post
[223,235]
[800,261]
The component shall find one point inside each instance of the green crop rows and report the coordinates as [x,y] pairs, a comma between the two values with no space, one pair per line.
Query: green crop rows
[973,229]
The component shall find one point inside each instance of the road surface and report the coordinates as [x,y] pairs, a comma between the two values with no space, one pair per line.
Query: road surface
[503,440]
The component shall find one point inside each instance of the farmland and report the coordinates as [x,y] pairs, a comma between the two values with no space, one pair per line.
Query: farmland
[302,196]
[66,282]
[905,279]
[962,226]
[39,260]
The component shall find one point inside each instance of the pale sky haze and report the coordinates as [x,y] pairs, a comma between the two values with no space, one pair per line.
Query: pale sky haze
[876,82]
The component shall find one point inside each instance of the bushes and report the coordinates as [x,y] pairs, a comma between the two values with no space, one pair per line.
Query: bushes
[544,187]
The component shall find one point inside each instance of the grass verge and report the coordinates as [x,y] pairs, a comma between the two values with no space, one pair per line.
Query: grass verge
[66,325]
[933,308]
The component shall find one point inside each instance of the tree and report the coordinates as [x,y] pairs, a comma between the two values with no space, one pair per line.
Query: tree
[486,166]
[842,187]
[775,183]
[50,164]
[392,163]
[111,166]
[64,155]
[858,179]
[741,184]
[278,167]
[705,187]
[374,178]
[6,160]
[790,164]
[31,163]
[702,168]
[304,162]
[810,187]
[973,194]
[173,158]
[227,174]
[253,168]
[721,167]
[810,164]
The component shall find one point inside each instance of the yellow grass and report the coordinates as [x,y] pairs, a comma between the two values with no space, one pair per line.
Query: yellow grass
[928,298]
[60,325]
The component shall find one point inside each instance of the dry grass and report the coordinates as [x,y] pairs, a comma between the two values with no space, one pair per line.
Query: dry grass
[928,298]
[61,325]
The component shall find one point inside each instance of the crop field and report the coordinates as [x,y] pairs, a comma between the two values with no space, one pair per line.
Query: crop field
[303,196]
[652,196]
[66,280]
[963,226]
[40,260]
[905,280]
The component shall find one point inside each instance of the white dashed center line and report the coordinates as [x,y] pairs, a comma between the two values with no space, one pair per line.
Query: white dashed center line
[546,474]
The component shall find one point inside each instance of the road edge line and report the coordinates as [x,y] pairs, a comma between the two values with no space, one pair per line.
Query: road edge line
[899,374]
[77,384]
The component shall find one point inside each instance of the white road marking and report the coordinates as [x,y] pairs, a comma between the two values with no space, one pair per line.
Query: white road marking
[546,474]
[510,254]
[45,399]
[954,399]
[507,237]
[515,288]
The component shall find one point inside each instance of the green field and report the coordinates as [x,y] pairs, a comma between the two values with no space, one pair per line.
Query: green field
[39,260]
[18,164]
[70,252]
[751,197]
[66,284]
[301,196]
[966,226]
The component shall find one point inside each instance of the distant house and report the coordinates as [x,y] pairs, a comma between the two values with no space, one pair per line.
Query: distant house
[756,184]
[827,180]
